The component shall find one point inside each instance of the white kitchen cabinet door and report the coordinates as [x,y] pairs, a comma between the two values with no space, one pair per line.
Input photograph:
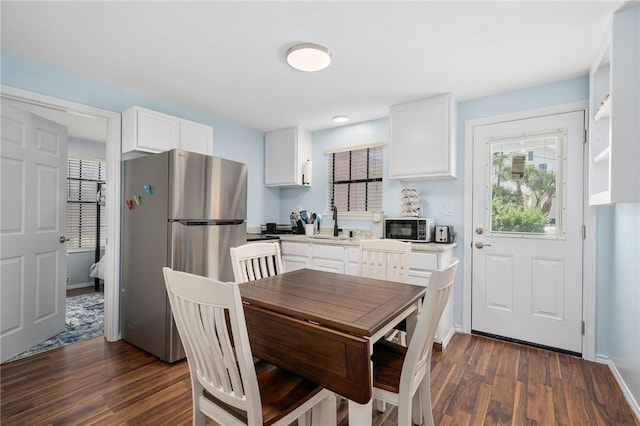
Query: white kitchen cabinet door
[291,263]
[351,260]
[285,151]
[196,137]
[422,264]
[149,131]
[328,265]
[295,256]
[422,142]
[327,258]
[144,130]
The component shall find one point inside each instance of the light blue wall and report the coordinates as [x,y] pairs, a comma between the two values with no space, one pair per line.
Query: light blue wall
[622,283]
[230,140]
[78,266]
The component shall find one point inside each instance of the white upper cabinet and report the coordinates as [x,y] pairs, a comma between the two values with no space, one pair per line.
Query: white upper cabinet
[196,137]
[614,134]
[422,142]
[144,130]
[285,153]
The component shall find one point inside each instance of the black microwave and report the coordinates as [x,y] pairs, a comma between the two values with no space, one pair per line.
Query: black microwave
[416,229]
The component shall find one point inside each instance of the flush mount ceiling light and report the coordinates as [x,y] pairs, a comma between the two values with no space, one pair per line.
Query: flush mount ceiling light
[308,57]
[340,118]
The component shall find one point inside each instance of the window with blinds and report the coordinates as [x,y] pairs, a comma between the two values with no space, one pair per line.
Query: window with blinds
[355,179]
[86,216]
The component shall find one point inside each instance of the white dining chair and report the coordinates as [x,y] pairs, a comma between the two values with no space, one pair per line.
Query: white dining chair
[386,260]
[401,375]
[227,386]
[253,261]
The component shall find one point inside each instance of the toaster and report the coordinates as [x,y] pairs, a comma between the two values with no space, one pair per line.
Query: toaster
[443,234]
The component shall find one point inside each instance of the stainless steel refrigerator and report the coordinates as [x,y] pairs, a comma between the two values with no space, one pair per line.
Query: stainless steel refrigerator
[182,210]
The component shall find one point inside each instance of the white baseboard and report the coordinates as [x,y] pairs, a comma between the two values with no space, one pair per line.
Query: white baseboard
[448,337]
[601,359]
[80,285]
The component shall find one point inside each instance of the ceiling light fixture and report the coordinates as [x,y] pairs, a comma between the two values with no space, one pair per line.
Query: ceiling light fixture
[308,57]
[340,118]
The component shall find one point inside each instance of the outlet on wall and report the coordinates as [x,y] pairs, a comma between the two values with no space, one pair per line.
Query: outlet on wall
[448,209]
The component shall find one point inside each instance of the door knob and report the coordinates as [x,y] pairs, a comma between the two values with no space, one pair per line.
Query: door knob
[479,231]
[63,239]
[480,245]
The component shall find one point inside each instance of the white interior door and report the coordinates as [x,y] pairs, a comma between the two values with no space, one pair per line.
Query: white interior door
[527,230]
[33,163]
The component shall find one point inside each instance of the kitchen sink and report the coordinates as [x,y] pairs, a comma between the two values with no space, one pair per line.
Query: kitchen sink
[329,237]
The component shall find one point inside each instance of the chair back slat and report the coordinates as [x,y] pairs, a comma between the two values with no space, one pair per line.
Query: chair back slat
[385,259]
[254,261]
[418,357]
[211,323]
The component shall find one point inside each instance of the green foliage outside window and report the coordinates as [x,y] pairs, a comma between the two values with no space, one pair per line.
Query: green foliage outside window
[521,205]
[512,217]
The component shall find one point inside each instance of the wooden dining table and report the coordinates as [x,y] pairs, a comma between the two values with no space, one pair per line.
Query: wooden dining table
[322,326]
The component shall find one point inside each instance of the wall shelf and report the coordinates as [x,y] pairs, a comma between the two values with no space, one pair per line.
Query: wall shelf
[614,135]
[604,111]
[603,156]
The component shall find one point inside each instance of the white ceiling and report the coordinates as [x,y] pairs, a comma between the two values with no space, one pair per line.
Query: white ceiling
[226,59]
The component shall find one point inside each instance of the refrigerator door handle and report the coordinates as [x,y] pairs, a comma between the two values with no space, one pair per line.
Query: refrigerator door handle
[208,222]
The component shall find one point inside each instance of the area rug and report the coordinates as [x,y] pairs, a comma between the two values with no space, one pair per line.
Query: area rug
[84,320]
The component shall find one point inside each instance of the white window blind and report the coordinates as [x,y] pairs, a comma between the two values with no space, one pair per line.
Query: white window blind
[355,179]
[85,178]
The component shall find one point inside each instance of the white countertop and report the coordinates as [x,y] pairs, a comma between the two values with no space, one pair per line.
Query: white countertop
[346,241]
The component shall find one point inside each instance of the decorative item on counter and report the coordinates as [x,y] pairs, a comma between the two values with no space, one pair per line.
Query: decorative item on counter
[129,204]
[410,205]
[137,199]
[147,189]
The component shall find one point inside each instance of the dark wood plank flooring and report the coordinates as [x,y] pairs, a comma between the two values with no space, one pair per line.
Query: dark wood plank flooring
[476,381]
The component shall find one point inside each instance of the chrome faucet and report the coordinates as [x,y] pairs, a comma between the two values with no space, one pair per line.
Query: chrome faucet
[335,221]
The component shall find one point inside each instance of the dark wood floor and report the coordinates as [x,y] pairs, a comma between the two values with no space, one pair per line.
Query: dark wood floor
[475,381]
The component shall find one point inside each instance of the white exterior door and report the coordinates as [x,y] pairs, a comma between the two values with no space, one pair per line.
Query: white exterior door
[32,228]
[527,230]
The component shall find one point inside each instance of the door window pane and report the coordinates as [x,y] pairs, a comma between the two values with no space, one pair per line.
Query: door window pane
[526,175]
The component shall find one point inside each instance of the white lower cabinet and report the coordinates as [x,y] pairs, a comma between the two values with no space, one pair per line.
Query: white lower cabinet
[344,260]
[422,264]
[327,258]
[295,256]
[351,260]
